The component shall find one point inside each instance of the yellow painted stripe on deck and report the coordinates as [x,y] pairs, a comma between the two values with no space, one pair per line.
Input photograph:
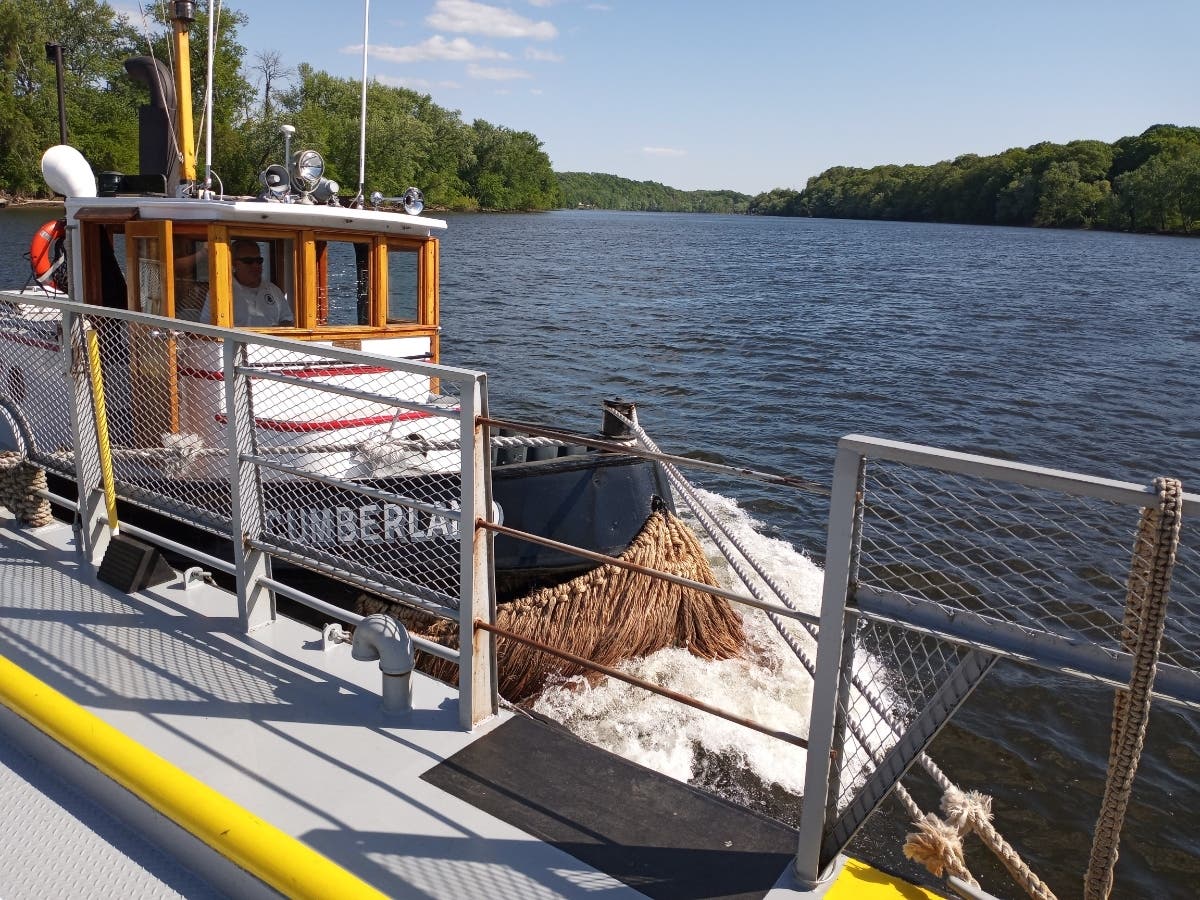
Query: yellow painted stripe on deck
[291,867]
[859,881]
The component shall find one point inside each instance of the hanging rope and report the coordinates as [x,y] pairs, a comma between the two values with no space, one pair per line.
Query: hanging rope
[1141,633]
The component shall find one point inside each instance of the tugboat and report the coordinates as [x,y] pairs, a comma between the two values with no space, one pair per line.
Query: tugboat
[295,261]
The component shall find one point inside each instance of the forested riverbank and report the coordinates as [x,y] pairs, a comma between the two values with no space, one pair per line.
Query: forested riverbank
[410,139]
[1148,182]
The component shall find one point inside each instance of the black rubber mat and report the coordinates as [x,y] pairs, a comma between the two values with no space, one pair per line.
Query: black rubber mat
[658,836]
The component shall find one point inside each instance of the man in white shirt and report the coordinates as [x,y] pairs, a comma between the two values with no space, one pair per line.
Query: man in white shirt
[255,304]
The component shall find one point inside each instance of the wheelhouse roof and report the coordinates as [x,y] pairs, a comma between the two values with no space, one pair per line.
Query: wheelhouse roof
[258,212]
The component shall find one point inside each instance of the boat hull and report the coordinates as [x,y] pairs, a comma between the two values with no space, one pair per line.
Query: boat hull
[596,501]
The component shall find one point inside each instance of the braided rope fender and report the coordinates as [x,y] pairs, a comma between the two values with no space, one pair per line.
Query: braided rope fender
[1142,630]
[20,481]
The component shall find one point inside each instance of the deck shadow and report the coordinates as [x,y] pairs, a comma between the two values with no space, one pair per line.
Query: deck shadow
[661,837]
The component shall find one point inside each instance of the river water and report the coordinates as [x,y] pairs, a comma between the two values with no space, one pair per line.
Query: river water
[762,341]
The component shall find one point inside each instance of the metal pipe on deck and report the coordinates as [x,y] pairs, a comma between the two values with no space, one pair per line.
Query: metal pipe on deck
[385,639]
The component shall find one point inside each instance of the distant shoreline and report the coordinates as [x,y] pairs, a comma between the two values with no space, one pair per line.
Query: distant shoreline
[34,203]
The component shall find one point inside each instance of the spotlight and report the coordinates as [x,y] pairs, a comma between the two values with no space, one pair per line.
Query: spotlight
[326,191]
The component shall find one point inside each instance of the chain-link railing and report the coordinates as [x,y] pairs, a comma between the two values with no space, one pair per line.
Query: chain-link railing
[34,400]
[353,465]
[938,564]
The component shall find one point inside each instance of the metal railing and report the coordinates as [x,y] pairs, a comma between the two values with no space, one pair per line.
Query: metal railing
[308,454]
[937,565]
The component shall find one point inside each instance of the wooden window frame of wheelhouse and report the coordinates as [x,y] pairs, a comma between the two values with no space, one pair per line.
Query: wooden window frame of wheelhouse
[92,221]
[161,231]
[312,271]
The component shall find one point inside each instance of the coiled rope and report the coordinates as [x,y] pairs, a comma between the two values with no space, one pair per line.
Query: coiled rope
[1141,633]
[20,483]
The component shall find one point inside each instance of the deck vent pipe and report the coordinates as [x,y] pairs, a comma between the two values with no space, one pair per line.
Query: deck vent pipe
[385,639]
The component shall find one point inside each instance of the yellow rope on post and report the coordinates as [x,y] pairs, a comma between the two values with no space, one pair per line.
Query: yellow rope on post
[1142,630]
[96,375]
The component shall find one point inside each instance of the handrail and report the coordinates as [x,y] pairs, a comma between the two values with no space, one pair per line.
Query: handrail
[634,450]
[646,570]
[456,374]
[271,855]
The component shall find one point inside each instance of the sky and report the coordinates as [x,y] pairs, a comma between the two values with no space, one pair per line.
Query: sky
[760,94]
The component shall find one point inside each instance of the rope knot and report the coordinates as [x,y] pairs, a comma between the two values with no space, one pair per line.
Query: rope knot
[937,846]
[966,811]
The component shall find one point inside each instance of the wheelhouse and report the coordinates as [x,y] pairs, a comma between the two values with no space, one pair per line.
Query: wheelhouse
[344,276]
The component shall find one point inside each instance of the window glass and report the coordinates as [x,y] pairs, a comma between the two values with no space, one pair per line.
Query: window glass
[191,276]
[117,239]
[343,296]
[151,292]
[402,285]
[113,281]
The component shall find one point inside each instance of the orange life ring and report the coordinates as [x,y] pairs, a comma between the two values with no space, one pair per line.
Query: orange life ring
[46,247]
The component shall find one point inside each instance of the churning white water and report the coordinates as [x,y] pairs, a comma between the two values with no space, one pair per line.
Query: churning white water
[767,684]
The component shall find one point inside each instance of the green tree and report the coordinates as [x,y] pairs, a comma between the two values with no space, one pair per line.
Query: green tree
[510,170]
[1068,201]
[100,105]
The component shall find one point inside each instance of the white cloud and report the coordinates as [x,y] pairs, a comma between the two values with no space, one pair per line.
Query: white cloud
[537,92]
[130,11]
[417,84]
[469,17]
[434,48]
[496,73]
[599,7]
[543,3]
[663,151]
[537,55]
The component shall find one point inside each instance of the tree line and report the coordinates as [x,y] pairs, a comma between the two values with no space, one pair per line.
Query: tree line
[1148,182]
[593,190]
[411,141]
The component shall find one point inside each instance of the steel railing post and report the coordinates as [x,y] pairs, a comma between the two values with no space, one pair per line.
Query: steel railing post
[93,535]
[476,680]
[256,604]
[823,718]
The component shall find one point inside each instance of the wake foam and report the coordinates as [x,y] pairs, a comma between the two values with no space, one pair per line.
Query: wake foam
[768,685]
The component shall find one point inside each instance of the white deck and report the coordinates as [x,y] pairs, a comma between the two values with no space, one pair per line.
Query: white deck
[294,734]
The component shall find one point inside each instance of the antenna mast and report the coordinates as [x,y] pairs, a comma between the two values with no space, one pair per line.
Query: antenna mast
[362,139]
[184,13]
[208,101]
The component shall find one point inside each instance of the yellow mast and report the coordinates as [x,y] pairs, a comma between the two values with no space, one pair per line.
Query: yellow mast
[181,23]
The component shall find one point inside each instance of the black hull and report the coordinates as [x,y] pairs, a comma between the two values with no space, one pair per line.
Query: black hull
[595,501]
